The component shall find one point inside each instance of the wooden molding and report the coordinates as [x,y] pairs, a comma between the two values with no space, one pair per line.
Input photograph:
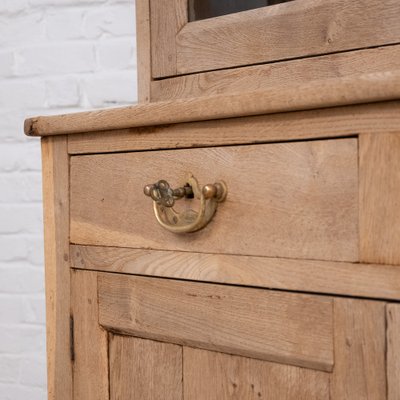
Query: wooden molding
[336,278]
[360,89]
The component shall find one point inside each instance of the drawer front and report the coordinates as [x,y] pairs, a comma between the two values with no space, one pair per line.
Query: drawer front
[148,338]
[295,200]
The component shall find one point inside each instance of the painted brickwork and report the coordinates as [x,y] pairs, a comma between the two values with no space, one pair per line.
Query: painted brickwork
[56,56]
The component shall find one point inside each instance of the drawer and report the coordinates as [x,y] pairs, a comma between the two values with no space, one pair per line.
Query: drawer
[150,338]
[296,200]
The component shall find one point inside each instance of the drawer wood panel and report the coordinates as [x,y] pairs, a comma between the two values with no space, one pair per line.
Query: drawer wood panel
[282,327]
[297,200]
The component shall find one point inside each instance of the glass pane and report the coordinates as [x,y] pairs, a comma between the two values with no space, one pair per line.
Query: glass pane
[202,9]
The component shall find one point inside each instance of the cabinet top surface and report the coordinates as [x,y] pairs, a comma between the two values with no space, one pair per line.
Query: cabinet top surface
[360,89]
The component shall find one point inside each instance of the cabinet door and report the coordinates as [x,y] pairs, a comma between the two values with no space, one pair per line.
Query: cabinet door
[261,34]
[148,338]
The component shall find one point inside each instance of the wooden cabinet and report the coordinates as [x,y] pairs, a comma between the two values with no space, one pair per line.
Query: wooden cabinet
[263,260]
[150,338]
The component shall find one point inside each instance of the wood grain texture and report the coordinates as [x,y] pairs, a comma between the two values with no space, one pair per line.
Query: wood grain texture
[360,345]
[262,35]
[91,381]
[167,17]
[350,279]
[380,198]
[323,93]
[143,49]
[216,376]
[283,327]
[55,166]
[144,370]
[393,351]
[346,121]
[282,74]
[297,200]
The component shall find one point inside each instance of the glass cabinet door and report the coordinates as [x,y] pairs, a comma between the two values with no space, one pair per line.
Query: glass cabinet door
[202,9]
[193,36]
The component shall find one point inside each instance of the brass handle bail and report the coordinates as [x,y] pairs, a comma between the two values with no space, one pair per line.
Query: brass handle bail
[164,198]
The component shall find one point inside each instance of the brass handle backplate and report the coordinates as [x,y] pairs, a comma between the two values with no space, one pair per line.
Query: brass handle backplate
[164,198]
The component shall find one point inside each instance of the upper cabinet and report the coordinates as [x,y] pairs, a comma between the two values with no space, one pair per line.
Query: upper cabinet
[193,36]
[202,9]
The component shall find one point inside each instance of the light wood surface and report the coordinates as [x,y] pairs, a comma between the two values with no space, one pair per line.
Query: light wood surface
[393,351]
[143,49]
[360,344]
[297,200]
[167,18]
[283,74]
[289,328]
[55,168]
[345,121]
[286,31]
[144,370]
[379,198]
[351,279]
[216,376]
[359,89]
[90,340]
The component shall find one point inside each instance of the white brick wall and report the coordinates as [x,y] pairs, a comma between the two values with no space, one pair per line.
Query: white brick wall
[56,56]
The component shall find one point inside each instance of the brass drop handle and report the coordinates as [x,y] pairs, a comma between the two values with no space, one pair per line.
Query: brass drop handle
[164,198]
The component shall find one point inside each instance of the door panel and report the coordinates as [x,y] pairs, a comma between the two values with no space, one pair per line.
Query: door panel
[144,369]
[109,366]
[216,376]
[284,327]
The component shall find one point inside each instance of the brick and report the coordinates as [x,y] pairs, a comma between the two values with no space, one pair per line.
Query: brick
[20,339]
[21,29]
[11,309]
[20,187]
[63,92]
[13,248]
[22,94]
[111,89]
[59,3]
[7,61]
[110,21]
[34,310]
[33,371]
[35,250]
[21,218]
[9,369]
[20,278]
[60,58]
[18,392]
[117,54]
[64,24]
[24,157]
[11,124]
[13,6]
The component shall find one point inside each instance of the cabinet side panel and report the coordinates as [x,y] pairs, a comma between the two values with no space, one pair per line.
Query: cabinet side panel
[359,345]
[393,351]
[56,231]
[380,198]
[91,381]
